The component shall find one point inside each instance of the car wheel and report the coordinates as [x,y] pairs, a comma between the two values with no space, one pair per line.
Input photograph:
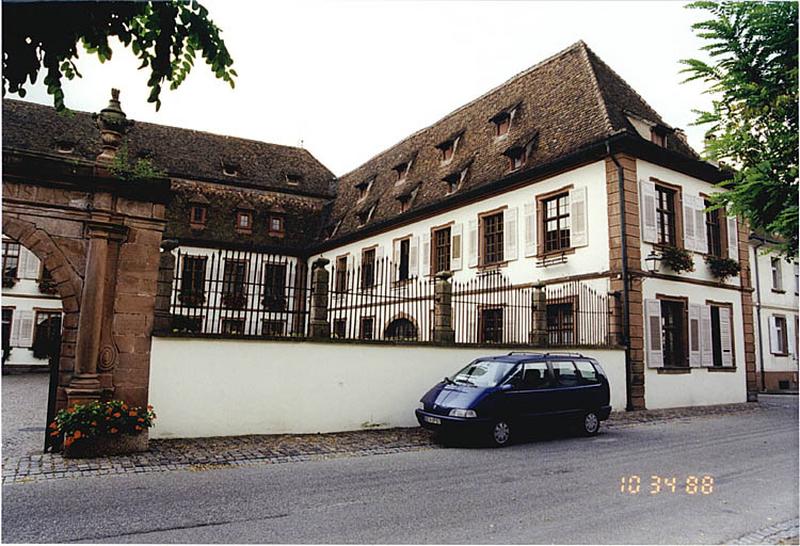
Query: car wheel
[591,424]
[500,434]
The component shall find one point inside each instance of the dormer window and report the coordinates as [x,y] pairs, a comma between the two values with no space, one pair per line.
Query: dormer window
[447,148]
[229,169]
[518,154]
[456,180]
[407,200]
[658,137]
[365,216]
[198,216]
[364,187]
[401,170]
[244,221]
[293,179]
[276,225]
[502,121]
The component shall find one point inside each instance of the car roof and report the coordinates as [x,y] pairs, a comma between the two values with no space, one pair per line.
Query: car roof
[516,356]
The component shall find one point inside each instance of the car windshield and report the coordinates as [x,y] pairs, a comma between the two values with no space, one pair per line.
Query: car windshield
[483,373]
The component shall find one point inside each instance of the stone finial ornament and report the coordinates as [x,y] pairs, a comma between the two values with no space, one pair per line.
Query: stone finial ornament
[113,124]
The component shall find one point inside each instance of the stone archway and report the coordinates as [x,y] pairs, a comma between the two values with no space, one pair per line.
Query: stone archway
[99,237]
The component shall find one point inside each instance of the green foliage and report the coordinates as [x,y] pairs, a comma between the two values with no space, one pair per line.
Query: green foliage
[722,268]
[141,169]
[165,35]
[677,259]
[753,125]
[100,419]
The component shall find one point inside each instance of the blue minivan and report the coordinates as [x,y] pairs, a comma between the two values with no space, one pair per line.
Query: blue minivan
[498,396]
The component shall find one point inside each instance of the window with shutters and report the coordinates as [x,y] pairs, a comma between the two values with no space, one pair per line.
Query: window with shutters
[274,287]
[368,268]
[556,222]
[10,261]
[233,283]
[777,274]
[561,323]
[721,334]
[193,278]
[780,345]
[492,238]
[404,259]
[441,250]
[46,334]
[665,215]
[674,333]
[714,231]
[340,280]
[490,328]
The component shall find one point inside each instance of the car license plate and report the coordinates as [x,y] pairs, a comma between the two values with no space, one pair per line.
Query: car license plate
[433,420]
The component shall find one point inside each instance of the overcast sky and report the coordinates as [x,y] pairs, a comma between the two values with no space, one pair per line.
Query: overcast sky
[348,79]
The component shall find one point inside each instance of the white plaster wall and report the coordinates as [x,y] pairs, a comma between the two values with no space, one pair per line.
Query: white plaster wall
[700,387]
[230,387]
[592,258]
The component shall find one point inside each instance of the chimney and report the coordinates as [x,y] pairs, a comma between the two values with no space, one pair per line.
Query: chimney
[113,124]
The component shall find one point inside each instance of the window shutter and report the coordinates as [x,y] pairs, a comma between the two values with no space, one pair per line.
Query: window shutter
[25,329]
[456,236]
[705,335]
[413,257]
[695,336]
[725,338]
[510,234]
[689,238]
[350,276]
[379,272]
[473,243]
[396,261]
[426,253]
[14,335]
[774,342]
[578,217]
[701,237]
[790,339]
[530,229]
[648,204]
[28,267]
[733,239]
[655,352]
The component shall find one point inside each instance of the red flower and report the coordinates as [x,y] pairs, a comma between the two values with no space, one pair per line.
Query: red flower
[150,407]
[53,425]
[118,414]
[113,430]
[77,434]
[140,420]
[137,427]
[132,414]
[54,433]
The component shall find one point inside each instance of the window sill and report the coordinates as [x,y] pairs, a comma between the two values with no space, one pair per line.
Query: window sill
[723,369]
[776,291]
[552,253]
[492,266]
[277,234]
[779,354]
[197,227]
[673,371]
[244,231]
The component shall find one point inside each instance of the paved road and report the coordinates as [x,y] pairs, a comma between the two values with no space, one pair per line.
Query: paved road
[24,413]
[564,490]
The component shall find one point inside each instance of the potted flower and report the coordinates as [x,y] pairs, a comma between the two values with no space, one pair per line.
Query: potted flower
[47,286]
[722,268]
[677,259]
[102,428]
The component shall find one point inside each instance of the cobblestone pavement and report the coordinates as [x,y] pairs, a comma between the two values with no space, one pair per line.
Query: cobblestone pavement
[786,532]
[208,453]
[24,413]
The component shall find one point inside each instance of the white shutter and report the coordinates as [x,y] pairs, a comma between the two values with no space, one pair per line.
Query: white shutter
[655,351]
[689,236]
[472,243]
[413,257]
[725,338]
[579,235]
[701,237]
[351,274]
[706,340]
[396,261]
[774,342]
[790,339]
[14,335]
[426,254]
[380,266]
[510,234]
[648,213]
[456,236]
[24,333]
[733,239]
[530,229]
[28,267]
[695,336]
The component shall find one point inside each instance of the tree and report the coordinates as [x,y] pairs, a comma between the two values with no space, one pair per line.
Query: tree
[166,35]
[753,123]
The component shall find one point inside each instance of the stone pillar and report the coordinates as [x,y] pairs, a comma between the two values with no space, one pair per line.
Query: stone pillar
[539,323]
[85,384]
[320,328]
[443,332]
[162,321]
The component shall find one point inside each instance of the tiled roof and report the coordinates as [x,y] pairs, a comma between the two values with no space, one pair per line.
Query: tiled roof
[183,153]
[562,104]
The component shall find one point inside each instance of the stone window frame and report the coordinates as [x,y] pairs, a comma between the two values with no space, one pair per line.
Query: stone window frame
[435,230]
[723,229]
[728,305]
[397,280]
[362,330]
[340,274]
[281,231]
[683,300]
[8,244]
[677,202]
[783,335]
[240,214]
[483,328]
[363,267]
[194,223]
[541,199]
[573,302]
[482,263]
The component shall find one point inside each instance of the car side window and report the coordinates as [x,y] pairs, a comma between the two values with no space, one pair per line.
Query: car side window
[565,373]
[536,375]
[587,371]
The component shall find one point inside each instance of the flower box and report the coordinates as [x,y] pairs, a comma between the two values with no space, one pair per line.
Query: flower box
[104,446]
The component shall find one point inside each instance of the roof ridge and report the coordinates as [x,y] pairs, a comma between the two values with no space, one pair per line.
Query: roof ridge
[496,88]
[598,93]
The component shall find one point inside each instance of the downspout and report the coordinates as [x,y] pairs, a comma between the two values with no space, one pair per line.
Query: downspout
[626,323]
[758,316]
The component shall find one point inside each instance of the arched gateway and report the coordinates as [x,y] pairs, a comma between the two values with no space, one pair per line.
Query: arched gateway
[99,236]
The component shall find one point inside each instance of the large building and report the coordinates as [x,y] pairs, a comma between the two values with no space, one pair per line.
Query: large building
[561,179]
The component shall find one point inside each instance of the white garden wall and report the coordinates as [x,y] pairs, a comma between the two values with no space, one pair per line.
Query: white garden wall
[224,387]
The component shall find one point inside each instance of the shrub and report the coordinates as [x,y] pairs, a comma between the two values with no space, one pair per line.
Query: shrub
[677,259]
[109,418]
[722,268]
